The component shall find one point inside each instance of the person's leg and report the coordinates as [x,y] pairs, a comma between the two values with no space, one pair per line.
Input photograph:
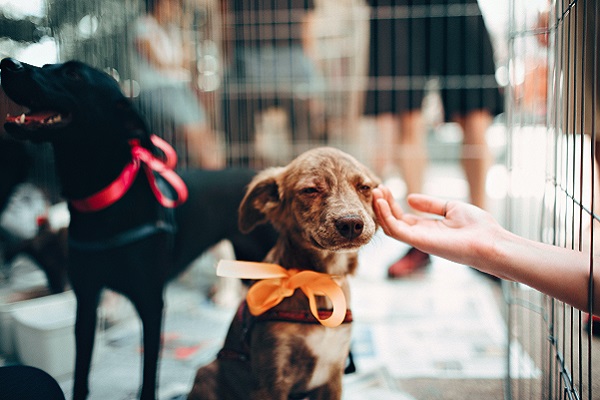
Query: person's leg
[387,128]
[412,151]
[476,157]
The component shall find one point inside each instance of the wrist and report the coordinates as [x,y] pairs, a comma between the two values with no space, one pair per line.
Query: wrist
[494,254]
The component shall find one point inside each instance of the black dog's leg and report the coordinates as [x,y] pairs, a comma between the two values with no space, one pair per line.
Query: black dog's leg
[150,310]
[85,330]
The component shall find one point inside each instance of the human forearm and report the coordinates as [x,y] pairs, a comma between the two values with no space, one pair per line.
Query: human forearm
[558,272]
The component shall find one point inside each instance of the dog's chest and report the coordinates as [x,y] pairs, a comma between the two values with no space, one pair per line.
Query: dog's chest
[330,347]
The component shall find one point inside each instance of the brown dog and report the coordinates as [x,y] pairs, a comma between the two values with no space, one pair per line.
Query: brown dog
[321,204]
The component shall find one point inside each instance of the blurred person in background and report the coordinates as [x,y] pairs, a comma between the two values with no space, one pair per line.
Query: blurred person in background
[270,52]
[163,58]
[411,43]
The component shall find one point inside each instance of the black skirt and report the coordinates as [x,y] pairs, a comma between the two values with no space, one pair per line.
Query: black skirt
[412,42]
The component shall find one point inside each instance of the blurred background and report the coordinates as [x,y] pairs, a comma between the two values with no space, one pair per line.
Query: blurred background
[484,101]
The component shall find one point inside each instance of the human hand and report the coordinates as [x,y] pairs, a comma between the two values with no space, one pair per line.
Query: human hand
[468,235]
[455,230]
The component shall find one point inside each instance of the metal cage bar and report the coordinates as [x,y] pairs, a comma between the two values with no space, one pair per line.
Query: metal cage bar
[564,347]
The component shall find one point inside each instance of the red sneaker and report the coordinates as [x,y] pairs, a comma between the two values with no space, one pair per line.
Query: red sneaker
[413,260]
[595,325]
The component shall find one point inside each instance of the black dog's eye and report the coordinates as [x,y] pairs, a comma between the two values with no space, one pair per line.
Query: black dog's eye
[72,73]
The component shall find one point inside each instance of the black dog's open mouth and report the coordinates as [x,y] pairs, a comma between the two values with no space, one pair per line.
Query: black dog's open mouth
[39,120]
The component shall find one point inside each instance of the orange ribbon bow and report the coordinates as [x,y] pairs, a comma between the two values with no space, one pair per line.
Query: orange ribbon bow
[276,283]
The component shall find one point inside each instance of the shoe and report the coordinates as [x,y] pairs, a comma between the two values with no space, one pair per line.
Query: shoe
[413,260]
[595,325]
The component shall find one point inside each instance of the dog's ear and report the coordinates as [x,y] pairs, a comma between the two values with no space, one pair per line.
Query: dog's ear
[261,199]
[135,125]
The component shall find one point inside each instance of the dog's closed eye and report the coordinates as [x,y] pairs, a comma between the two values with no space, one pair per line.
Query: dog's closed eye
[364,188]
[310,190]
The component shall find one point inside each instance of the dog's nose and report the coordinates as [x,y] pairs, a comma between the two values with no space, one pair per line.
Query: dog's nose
[10,64]
[350,226]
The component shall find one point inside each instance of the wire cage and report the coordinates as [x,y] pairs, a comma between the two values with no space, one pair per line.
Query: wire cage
[252,114]
[310,83]
[551,114]
[257,85]
[211,103]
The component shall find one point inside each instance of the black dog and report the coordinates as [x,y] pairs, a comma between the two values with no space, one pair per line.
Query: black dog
[134,245]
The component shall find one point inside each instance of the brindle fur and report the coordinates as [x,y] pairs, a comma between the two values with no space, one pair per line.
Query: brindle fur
[321,204]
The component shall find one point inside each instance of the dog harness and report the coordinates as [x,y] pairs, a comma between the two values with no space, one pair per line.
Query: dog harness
[166,181]
[245,317]
[276,283]
[126,237]
[141,158]
[240,350]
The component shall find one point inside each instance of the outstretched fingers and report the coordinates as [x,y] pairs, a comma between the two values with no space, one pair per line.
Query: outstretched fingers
[428,204]
[385,194]
[386,220]
[389,214]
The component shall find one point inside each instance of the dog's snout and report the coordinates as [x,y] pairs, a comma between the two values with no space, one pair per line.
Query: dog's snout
[350,226]
[10,64]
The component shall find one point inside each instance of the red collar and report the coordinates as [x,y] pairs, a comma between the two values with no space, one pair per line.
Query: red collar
[141,157]
[240,349]
[299,316]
